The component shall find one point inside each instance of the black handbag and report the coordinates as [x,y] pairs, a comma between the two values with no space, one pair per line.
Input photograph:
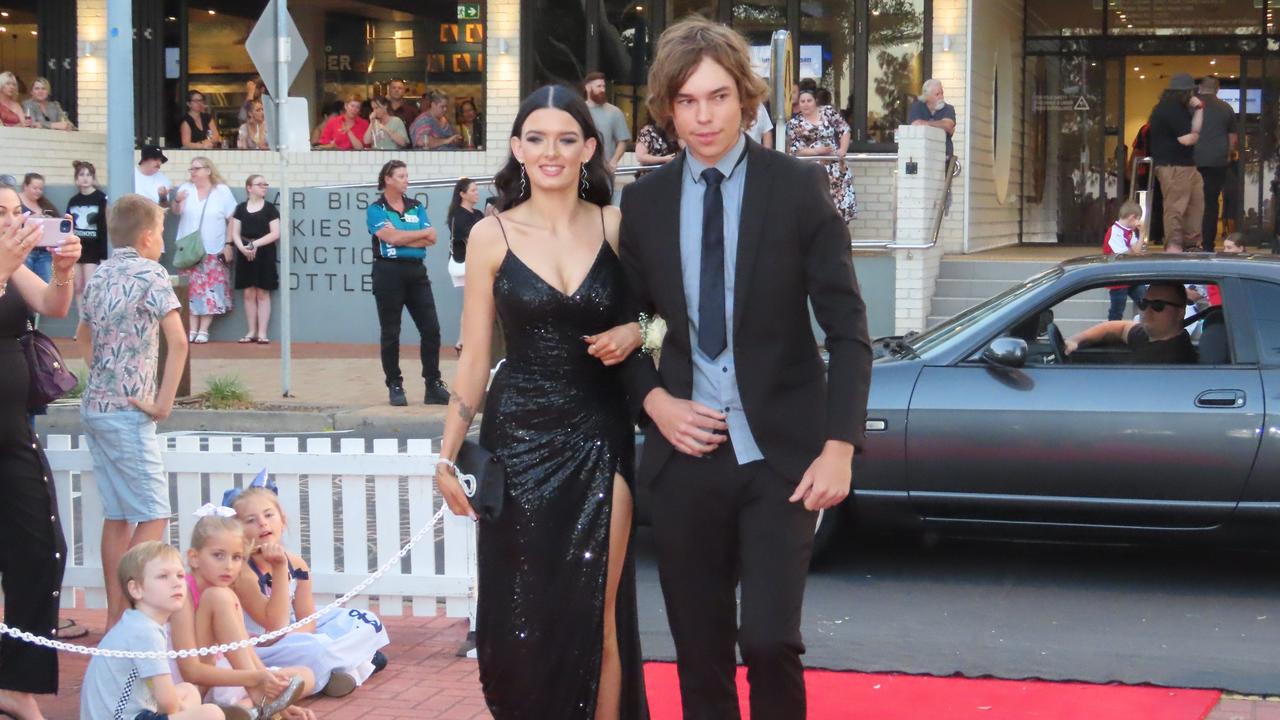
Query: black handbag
[49,377]
[483,478]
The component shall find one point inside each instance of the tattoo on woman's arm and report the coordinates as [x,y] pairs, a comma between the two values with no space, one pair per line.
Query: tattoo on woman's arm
[465,411]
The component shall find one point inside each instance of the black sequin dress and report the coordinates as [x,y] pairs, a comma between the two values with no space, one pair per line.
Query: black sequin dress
[558,419]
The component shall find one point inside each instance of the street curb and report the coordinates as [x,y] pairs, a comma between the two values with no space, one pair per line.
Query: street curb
[65,420]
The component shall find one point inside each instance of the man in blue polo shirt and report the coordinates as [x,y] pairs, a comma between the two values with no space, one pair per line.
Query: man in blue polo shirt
[400,235]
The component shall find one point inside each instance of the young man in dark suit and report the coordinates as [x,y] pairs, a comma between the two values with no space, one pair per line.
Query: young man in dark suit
[730,242]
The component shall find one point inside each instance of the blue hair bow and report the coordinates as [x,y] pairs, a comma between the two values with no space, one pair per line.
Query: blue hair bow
[261,481]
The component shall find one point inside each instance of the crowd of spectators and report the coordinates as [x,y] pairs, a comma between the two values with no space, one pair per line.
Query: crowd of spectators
[381,122]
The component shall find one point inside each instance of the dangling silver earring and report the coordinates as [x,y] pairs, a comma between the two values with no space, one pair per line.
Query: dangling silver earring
[585,184]
[524,181]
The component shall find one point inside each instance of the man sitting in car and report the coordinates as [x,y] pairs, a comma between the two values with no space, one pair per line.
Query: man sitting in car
[1158,338]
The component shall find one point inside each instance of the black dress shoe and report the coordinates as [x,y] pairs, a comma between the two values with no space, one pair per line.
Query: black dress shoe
[437,393]
[396,392]
[379,662]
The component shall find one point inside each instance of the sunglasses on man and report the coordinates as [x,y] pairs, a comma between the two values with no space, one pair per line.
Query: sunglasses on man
[1158,305]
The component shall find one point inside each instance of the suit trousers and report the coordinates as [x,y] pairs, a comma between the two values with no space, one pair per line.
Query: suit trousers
[1213,178]
[717,524]
[1183,205]
[399,285]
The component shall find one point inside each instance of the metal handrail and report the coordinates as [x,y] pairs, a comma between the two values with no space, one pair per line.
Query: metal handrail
[1133,173]
[940,206]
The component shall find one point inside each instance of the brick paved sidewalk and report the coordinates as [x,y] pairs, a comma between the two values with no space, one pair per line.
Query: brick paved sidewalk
[425,681]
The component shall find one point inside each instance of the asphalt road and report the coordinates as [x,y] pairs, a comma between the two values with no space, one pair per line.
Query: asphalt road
[1167,616]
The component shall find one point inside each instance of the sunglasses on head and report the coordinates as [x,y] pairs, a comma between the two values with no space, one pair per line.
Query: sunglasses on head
[1158,305]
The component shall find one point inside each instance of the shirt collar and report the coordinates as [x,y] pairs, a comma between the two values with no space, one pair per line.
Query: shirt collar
[127,250]
[727,164]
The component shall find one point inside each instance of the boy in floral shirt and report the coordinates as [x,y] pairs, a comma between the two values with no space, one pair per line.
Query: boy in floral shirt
[126,303]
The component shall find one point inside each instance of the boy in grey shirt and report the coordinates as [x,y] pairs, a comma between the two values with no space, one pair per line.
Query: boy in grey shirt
[142,689]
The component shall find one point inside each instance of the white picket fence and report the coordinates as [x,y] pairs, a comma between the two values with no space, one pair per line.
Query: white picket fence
[335,518]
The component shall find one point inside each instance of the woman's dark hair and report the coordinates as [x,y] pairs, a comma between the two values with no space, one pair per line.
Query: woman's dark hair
[379,101]
[457,111]
[387,170]
[464,184]
[1181,96]
[46,205]
[78,165]
[511,191]
[191,95]
[823,96]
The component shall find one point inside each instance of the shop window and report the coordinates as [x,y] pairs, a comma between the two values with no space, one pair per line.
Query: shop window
[355,48]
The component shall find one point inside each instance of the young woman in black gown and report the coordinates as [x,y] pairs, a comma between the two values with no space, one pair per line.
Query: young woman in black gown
[556,629]
[33,551]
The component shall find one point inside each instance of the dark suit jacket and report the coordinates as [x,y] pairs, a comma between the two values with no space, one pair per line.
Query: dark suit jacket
[793,248]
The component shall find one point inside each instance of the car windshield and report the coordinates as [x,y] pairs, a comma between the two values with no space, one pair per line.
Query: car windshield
[941,333]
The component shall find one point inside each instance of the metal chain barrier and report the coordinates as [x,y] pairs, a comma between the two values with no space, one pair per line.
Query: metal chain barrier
[219,649]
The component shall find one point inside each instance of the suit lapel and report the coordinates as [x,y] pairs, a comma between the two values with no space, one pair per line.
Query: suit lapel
[666,232]
[755,197]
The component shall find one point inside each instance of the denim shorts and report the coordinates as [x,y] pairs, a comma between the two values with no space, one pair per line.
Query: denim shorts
[126,462]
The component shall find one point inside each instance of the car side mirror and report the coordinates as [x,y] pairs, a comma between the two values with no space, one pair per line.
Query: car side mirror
[1006,352]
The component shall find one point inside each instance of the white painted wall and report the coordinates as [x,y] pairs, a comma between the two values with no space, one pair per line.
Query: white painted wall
[996,32]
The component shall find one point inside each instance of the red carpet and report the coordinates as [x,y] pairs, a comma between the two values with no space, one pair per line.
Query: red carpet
[855,696]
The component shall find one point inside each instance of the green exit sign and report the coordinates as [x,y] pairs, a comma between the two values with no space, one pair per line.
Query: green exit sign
[469,11]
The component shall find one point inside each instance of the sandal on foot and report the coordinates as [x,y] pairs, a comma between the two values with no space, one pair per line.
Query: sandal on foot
[269,708]
[69,630]
[201,338]
[247,339]
[264,341]
[191,336]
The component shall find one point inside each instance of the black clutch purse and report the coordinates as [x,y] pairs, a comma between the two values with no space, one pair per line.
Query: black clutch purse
[483,478]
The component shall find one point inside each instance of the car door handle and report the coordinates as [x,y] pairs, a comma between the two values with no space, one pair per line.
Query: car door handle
[1220,399]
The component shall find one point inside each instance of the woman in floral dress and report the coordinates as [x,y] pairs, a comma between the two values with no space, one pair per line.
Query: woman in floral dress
[206,203]
[819,130]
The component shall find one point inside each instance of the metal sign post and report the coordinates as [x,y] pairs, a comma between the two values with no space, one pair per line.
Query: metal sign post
[283,46]
[781,78]
[277,51]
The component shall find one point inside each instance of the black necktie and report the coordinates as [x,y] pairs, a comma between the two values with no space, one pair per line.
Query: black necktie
[711,330]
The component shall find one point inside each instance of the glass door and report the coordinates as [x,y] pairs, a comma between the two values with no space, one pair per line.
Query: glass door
[1067,154]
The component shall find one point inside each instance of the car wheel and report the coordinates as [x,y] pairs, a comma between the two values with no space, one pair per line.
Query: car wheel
[826,530]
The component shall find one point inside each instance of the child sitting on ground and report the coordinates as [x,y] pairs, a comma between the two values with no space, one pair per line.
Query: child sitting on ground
[342,647]
[155,588]
[126,305]
[238,681]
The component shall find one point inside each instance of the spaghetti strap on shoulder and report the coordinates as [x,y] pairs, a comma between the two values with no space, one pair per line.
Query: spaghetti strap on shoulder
[603,232]
[504,231]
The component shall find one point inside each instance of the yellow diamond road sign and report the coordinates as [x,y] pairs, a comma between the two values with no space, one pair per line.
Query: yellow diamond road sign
[265,52]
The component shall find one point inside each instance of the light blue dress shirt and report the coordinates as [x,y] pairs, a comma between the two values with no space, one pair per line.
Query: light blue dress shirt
[715,380]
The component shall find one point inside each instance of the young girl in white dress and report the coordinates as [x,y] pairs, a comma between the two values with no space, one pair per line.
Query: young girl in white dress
[342,647]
